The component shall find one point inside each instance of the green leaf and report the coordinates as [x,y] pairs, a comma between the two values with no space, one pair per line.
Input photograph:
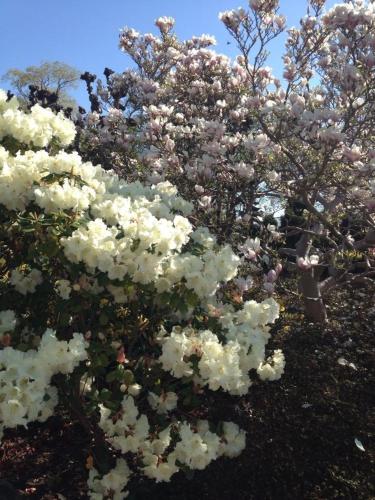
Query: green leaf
[50,248]
[76,308]
[113,405]
[105,395]
[64,319]
[102,360]
[187,400]
[103,319]
[111,376]
[103,280]
[191,298]
[128,377]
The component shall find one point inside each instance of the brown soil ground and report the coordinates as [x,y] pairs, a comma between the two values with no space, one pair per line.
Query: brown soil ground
[301,430]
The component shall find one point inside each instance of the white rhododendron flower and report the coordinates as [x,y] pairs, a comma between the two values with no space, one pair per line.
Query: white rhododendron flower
[224,366]
[25,391]
[112,483]
[234,440]
[164,403]
[37,128]
[26,283]
[63,288]
[7,321]
[273,368]
[194,448]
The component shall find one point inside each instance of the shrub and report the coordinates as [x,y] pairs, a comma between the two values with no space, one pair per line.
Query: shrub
[113,304]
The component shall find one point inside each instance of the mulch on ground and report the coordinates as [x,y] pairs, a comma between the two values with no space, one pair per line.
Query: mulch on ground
[310,435]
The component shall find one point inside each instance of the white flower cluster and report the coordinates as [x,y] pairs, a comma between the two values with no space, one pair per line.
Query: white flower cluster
[135,231]
[203,274]
[63,288]
[37,128]
[164,403]
[225,365]
[199,447]
[165,23]
[129,431]
[351,14]
[111,484]
[21,181]
[196,446]
[233,18]
[25,391]
[25,283]
[273,368]
[248,327]
[64,196]
[101,246]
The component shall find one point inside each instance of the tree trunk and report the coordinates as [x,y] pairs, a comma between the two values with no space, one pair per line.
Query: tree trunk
[315,309]
[309,285]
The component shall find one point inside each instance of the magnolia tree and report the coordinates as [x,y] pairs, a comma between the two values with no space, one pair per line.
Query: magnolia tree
[231,134]
[321,122]
[115,307]
[183,115]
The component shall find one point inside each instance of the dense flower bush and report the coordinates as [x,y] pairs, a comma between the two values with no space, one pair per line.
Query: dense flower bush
[113,305]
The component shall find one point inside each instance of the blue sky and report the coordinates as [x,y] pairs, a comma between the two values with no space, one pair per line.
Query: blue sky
[84,33]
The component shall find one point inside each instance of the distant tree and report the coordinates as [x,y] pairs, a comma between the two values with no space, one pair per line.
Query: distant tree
[52,77]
